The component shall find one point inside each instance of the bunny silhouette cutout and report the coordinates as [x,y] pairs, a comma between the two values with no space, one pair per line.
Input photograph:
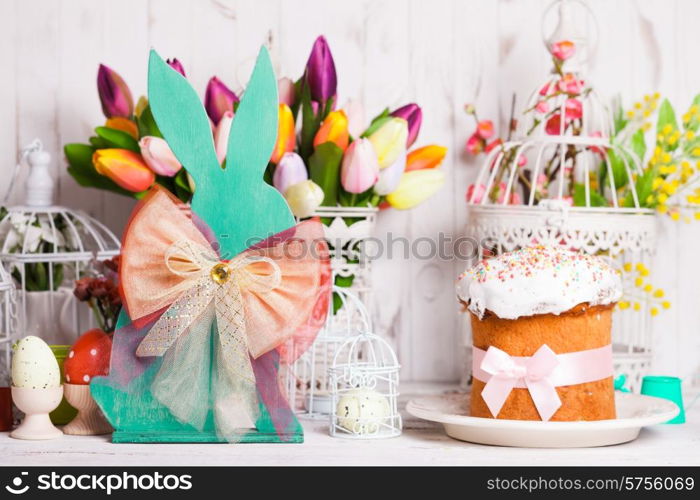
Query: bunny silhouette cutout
[235,201]
[240,209]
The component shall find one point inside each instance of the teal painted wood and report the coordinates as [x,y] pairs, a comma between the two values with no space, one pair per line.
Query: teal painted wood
[237,205]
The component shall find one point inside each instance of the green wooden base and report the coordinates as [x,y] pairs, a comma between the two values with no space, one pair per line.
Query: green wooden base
[200,437]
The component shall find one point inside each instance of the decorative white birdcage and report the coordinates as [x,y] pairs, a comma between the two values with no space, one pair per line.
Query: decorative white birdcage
[45,248]
[365,389]
[346,230]
[8,323]
[582,206]
[307,380]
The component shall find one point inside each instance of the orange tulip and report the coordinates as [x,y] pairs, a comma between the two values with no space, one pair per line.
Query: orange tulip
[334,129]
[123,124]
[425,157]
[286,135]
[126,168]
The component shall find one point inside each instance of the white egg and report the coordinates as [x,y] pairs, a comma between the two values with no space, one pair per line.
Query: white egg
[34,365]
[362,411]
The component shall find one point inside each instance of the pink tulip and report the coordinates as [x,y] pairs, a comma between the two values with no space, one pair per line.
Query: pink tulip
[514,197]
[286,90]
[485,129]
[221,132]
[355,112]
[360,168]
[289,171]
[522,160]
[542,107]
[563,50]
[158,156]
[573,109]
[390,177]
[218,99]
[570,84]
[475,144]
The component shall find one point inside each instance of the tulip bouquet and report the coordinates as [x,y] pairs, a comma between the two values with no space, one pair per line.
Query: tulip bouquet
[323,155]
[337,159]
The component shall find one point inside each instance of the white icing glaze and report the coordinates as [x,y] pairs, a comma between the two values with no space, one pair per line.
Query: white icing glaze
[538,280]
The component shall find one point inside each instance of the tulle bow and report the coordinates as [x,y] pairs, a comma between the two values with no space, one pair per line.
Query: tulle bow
[251,304]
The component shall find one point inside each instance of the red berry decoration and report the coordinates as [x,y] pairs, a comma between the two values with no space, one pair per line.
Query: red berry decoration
[88,358]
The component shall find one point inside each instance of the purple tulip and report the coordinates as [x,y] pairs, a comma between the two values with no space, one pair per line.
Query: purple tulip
[414,116]
[177,66]
[115,95]
[218,99]
[290,171]
[320,71]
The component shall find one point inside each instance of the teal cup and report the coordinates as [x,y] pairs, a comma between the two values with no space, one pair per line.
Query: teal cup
[666,388]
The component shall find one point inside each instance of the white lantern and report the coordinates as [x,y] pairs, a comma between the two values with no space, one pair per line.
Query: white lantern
[365,389]
[508,211]
[307,382]
[45,249]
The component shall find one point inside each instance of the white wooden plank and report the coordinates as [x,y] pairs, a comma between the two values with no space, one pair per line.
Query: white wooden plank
[8,94]
[78,104]
[431,307]
[37,60]
[387,77]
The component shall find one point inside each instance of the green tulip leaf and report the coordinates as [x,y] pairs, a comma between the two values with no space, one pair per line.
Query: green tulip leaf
[147,124]
[377,123]
[324,170]
[310,124]
[597,199]
[619,120]
[117,139]
[98,143]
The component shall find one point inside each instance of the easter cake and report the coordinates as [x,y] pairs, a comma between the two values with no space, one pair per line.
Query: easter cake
[541,321]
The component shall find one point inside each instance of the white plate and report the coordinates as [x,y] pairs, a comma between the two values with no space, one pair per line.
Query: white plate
[634,411]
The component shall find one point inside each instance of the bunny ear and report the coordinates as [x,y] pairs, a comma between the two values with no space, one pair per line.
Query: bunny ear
[254,130]
[181,119]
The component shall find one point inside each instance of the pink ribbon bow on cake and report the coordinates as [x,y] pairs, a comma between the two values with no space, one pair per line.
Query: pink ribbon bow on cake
[507,372]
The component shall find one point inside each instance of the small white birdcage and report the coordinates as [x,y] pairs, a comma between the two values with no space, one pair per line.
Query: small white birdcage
[8,323]
[552,188]
[365,389]
[45,249]
[307,381]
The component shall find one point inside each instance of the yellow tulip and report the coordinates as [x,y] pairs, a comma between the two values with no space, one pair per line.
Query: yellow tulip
[126,168]
[304,198]
[425,157]
[123,124]
[389,141]
[416,187]
[334,129]
[286,134]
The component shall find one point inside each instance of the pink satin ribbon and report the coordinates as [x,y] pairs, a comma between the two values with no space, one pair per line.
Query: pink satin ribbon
[540,374]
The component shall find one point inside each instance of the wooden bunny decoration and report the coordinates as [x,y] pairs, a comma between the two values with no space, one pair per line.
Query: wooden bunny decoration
[212,299]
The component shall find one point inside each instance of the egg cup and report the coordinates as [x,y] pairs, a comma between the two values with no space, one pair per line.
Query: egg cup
[36,405]
[89,421]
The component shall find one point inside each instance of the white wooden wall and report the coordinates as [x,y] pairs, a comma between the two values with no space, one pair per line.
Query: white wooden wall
[439,53]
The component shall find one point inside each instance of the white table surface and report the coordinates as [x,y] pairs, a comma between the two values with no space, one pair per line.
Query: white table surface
[422,443]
